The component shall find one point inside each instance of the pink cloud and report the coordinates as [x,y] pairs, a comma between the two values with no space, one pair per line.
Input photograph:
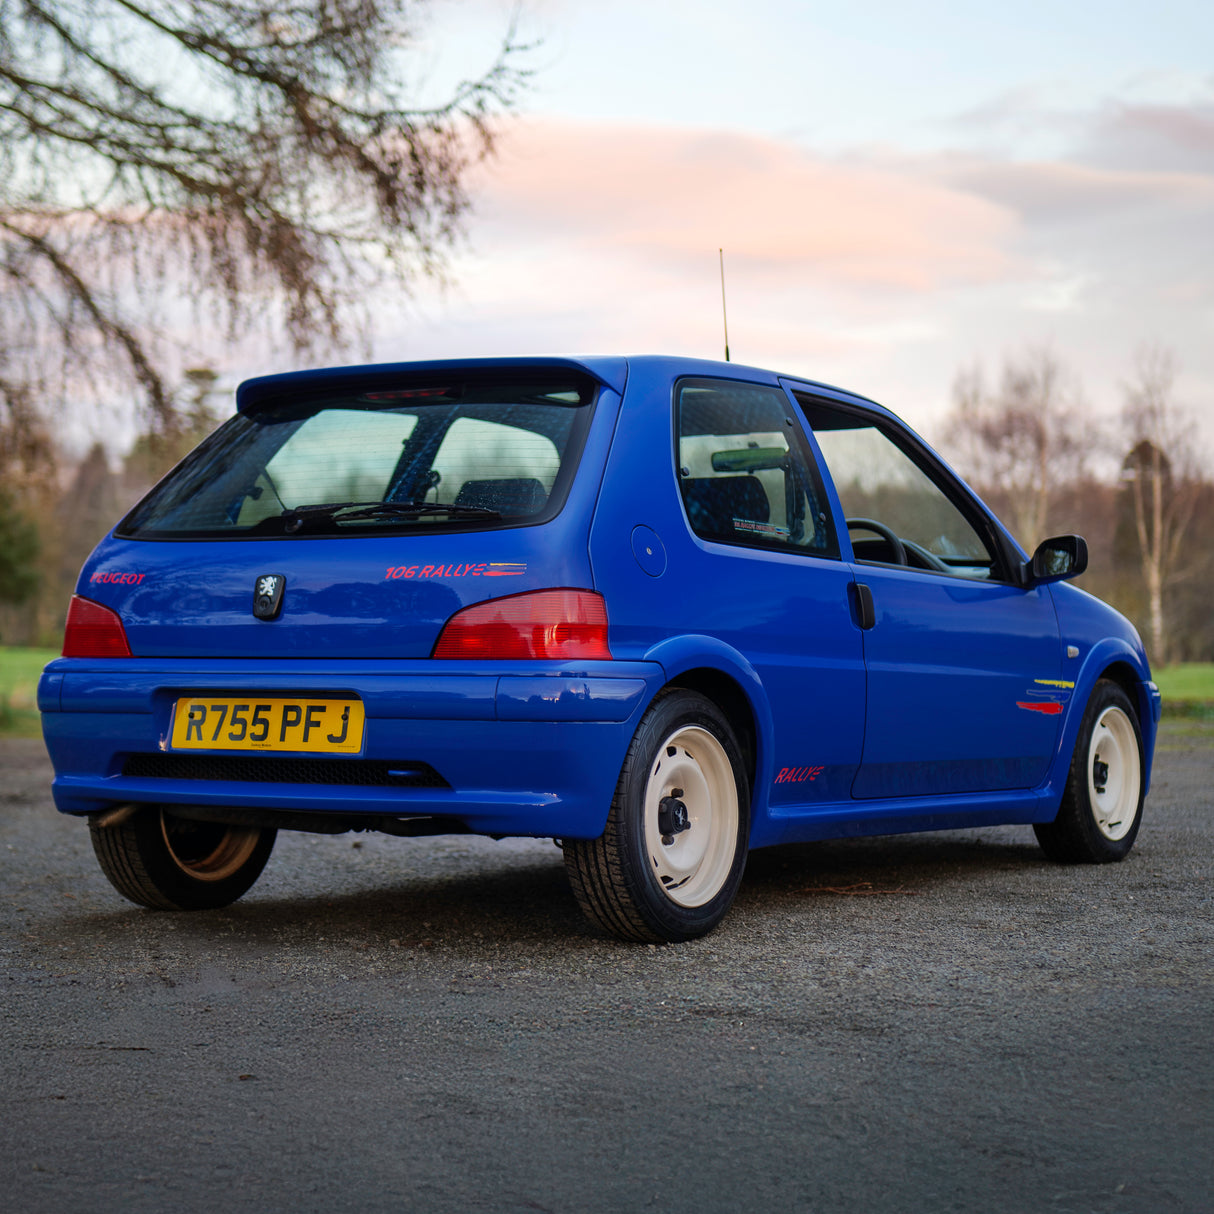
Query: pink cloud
[1191,127]
[670,197]
[1172,138]
[1047,191]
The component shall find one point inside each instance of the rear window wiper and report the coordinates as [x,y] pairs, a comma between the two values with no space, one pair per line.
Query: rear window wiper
[297,517]
[417,509]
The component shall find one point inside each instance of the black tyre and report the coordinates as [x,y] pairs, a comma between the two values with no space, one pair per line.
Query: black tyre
[1102,804]
[669,863]
[170,863]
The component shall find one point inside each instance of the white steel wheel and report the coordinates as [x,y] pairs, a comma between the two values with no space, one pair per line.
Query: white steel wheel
[1101,806]
[671,856]
[691,816]
[1114,774]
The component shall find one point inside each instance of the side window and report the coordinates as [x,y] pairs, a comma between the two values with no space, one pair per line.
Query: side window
[745,471]
[896,510]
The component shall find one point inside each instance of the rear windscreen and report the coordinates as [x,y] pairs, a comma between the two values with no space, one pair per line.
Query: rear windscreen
[378,458]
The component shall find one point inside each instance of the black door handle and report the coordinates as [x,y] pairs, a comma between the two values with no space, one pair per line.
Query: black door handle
[866,612]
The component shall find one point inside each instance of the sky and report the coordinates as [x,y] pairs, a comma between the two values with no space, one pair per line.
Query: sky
[901,191]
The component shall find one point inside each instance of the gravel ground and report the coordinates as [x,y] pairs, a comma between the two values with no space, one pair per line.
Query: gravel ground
[930,1022]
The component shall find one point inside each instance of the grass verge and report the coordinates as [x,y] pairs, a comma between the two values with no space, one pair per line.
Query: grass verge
[19,671]
[1187,690]
[1188,681]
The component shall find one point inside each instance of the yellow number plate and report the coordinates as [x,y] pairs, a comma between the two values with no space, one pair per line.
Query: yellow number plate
[265,723]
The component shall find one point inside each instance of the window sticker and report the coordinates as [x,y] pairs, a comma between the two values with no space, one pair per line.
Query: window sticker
[749,524]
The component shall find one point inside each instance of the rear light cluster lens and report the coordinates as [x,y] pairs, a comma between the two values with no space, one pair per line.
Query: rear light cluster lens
[550,624]
[93,631]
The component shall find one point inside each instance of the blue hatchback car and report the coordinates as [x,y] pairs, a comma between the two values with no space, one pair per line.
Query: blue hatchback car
[661,610]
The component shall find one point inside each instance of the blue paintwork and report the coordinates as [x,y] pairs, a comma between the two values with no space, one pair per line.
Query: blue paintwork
[912,725]
[1106,641]
[342,599]
[552,698]
[946,653]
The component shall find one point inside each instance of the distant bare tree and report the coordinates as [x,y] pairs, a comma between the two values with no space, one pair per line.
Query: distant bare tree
[18,553]
[262,157]
[1162,477]
[1022,439]
[193,416]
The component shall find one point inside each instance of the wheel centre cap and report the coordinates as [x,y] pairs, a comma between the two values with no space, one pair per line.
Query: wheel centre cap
[1100,775]
[673,818]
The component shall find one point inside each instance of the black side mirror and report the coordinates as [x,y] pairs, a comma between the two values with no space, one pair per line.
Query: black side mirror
[1064,556]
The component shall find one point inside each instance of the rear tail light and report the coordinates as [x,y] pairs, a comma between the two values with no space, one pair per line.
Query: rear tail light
[93,631]
[543,624]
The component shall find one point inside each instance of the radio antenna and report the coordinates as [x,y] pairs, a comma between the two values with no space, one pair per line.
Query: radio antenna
[724,317]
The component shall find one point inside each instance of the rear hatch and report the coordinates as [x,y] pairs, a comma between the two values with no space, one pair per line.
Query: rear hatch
[351,513]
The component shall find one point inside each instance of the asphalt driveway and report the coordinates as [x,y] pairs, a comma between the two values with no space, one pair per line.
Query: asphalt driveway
[932,1022]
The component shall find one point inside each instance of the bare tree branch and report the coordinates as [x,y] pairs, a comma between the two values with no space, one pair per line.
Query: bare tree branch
[1023,439]
[263,157]
[1161,473]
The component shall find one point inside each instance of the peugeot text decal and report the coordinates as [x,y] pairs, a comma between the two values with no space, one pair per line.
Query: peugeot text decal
[124,579]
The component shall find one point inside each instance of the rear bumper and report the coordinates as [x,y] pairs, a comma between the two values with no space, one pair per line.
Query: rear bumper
[535,750]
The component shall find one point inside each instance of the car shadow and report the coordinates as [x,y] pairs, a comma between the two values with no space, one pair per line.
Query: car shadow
[884,863]
[527,902]
[521,902]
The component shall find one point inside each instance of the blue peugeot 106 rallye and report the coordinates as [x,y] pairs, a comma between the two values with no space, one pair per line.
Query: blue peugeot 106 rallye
[661,610]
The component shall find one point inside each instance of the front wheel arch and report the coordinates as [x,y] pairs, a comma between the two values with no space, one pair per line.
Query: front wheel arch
[1101,807]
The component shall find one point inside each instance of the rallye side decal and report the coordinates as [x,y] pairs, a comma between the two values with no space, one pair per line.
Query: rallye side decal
[1051,707]
[798,775]
[481,569]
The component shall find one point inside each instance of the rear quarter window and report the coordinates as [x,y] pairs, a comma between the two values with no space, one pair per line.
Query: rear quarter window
[746,474]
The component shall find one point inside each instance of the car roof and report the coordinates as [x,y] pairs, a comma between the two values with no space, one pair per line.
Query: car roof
[612,371]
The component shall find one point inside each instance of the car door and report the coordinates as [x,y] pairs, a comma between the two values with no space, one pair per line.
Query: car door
[962,663]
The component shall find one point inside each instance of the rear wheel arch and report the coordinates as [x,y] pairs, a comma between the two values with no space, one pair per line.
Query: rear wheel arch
[672,853]
[733,701]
